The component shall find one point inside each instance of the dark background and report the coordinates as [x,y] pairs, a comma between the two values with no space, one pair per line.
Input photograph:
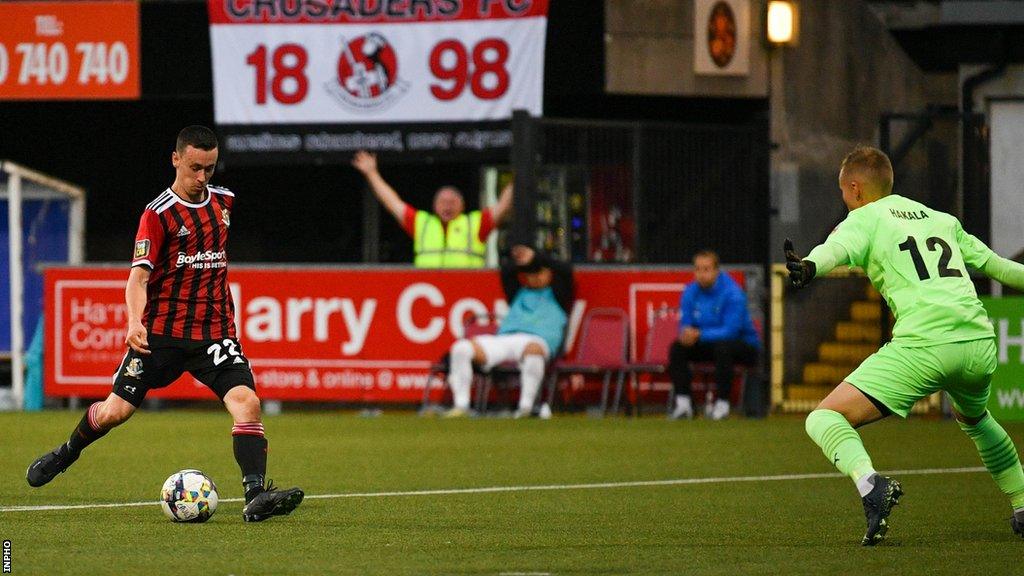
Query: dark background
[120,152]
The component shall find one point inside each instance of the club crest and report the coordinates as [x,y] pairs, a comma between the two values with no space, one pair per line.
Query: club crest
[134,368]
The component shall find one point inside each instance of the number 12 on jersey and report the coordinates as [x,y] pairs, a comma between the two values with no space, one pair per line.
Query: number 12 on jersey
[933,243]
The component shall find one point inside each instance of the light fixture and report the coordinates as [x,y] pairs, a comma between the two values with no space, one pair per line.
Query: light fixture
[783,23]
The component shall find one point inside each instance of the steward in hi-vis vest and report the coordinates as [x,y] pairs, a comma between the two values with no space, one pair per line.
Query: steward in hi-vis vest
[457,245]
[448,237]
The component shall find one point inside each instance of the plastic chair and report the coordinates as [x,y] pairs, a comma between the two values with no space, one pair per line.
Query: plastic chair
[472,327]
[602,350]
[654,359]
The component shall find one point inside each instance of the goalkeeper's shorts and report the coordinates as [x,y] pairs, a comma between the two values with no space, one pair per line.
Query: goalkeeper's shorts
[898,375]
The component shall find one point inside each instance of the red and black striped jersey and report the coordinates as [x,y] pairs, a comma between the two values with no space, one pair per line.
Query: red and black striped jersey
[185,247]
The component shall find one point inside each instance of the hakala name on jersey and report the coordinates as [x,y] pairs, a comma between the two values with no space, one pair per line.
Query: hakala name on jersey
[908,214]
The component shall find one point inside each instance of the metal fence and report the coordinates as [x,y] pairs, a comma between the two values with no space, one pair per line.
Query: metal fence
[643,191]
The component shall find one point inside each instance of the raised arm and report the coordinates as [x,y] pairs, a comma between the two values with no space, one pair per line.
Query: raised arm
[979,256]
[500,211]
[562,283]
[1005,271]
[366,163]
[509,278]
[848,244]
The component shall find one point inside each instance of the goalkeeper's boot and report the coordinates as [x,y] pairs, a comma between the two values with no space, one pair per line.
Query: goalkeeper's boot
[1017,522]
[47,466]
[270,501]
[877,506]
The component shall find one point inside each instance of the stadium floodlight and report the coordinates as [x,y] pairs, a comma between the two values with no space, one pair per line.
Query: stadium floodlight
[782,23]
[20,186]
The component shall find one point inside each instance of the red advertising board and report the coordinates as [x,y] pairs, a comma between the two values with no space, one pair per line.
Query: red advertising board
[339,334]
[69,50]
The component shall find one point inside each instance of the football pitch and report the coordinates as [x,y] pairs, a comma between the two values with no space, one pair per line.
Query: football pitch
[399,494]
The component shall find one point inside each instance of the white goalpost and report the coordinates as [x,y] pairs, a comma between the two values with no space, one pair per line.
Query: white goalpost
[20,185]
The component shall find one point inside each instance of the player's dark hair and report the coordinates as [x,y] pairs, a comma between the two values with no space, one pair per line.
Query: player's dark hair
[708,254]
[873,163]
[199,137]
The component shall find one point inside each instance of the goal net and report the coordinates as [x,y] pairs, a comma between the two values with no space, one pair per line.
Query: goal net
[42,220]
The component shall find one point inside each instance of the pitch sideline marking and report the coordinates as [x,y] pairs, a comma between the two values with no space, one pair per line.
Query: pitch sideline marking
[531,488]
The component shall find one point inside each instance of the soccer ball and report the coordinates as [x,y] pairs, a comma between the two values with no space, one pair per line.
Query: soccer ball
[189,496]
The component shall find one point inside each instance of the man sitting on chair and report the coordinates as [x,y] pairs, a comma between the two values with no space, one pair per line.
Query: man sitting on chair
[714,326]
[540,292]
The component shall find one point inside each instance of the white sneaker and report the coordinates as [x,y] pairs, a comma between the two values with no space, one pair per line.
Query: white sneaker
[720,410]
[683,409]
[545,411]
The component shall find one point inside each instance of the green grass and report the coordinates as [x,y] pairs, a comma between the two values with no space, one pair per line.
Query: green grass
[946,524]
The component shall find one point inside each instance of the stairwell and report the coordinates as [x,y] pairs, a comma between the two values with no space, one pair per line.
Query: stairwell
[853,340]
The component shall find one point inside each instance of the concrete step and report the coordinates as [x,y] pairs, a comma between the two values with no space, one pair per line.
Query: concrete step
[823,373]
[813,392]
[849,331]
[845,352]
[865,311]
[872,294]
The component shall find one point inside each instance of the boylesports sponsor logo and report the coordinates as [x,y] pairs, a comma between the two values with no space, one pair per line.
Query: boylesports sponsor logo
[203,260]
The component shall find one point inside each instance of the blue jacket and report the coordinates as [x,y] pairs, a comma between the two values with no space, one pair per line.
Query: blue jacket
[720,312]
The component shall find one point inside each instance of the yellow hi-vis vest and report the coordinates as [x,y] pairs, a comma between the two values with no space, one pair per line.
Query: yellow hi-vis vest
[457,247]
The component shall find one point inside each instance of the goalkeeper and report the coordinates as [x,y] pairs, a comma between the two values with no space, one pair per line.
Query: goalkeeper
[942,340]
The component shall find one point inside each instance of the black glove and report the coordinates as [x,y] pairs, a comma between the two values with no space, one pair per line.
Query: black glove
[801,272]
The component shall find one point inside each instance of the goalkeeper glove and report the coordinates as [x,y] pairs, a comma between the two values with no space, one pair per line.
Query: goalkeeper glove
[801,272]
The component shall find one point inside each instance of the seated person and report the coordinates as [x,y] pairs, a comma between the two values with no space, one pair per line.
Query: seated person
[539,291]
[714,326]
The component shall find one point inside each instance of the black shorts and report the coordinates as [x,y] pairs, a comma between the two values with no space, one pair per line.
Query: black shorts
[219,364]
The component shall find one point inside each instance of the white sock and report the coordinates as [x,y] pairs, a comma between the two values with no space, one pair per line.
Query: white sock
[531,372]
[865,484]
[460,372]
[683,403]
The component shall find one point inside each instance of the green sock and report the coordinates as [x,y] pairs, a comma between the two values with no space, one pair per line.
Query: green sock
[840,443]
[999,456]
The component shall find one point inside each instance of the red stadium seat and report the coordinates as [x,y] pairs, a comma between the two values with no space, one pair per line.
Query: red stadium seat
[654,359]
[602,350]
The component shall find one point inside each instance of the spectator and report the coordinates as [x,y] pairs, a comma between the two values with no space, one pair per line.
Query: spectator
[714,326]
[448,237]
[540,292]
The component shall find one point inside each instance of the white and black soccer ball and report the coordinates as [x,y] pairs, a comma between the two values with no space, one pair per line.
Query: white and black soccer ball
[189,496]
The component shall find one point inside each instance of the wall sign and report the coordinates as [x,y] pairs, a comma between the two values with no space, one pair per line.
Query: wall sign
[69,50]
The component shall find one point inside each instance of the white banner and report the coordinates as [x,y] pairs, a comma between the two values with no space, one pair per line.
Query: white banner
[1006,117]
[476,62]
